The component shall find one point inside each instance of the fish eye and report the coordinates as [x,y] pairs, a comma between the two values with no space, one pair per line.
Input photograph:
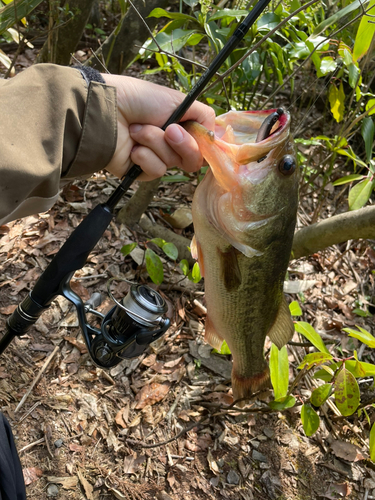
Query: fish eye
[287,166]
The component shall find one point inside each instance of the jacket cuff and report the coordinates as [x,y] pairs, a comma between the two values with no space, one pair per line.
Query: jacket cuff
[99,132]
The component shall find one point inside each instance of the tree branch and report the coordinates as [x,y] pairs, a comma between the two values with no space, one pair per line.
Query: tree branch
[350,225]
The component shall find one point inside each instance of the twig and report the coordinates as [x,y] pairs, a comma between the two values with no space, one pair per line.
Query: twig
[31,445]
[36,380]
[162,443]
[28,412]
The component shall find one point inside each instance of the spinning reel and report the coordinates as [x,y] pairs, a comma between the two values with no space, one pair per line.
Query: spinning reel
[128,328]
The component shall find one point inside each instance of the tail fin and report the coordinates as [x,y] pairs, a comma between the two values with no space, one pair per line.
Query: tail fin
[245,387]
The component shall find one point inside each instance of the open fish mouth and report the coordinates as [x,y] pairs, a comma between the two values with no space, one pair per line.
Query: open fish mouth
[253,127]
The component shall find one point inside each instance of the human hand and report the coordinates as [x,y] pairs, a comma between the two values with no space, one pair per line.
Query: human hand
[144,107]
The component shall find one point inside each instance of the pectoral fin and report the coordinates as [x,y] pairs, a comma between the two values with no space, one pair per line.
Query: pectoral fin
[282,329]
[196,253]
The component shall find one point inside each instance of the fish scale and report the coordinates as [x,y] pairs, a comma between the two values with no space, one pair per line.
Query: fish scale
[244,225]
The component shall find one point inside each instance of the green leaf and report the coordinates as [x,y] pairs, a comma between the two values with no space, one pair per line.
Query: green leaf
[370,104]
[353,75]
[315,358]
[170,250]
[362,335]
[365,33]
[350,154]
[228,13]
[336,17]
[295,309]
[372,443]
[159,242]
[327,65]
[361,312]
[360,194]
[126,249]
[346,392]
[367,131]
[283,403]
[279,371]
[224,349]
[15,11]
[312,336]
[321,394]
[336,99]
[158,13]
[154,266]
[310,419]
[358,370]
[196,273]
[172,42]
[184,265]
[367,368]
[347,179]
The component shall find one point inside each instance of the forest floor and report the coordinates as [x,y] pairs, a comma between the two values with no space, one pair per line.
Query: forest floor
[161,425]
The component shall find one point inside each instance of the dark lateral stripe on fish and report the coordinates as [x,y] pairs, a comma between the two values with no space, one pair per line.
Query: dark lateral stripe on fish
[230,270]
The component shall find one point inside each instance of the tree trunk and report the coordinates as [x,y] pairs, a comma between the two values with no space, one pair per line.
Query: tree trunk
[118,51]
[138,203]
[338,229]
[65,31]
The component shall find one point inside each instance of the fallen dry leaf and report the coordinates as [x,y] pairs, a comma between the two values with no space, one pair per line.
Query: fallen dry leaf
[77,287]
[86,486]
[151,394]
[347,451]
[8,309]
[150,360]
[119,419]
[131,463]
[68,483]
[212,463]
[80,345]
[75,447]
[335,491]
[31,474]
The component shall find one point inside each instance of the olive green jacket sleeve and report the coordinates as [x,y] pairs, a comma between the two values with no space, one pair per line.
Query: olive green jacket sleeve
[53,127]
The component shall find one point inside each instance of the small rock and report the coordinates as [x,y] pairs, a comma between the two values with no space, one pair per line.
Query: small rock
[58,443]
[220,462]
[52,490]
[256,455]
[369,484]
[267,431]
[214,481]
[272,484]
[255,444]
[233,477]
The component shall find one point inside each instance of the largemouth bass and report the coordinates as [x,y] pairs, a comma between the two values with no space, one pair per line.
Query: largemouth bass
[244,214]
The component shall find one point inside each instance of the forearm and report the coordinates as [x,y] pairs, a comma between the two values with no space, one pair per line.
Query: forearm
[54,126]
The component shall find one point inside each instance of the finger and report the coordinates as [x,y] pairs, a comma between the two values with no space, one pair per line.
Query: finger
[145,102]
[154,139]
[152,166]
[185,146]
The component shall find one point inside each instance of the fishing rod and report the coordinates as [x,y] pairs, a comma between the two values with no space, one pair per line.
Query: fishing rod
[139,318]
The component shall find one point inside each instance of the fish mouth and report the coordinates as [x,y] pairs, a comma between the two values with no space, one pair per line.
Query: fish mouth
[252,127]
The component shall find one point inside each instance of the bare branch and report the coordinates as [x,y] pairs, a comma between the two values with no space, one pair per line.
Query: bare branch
[350,225]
